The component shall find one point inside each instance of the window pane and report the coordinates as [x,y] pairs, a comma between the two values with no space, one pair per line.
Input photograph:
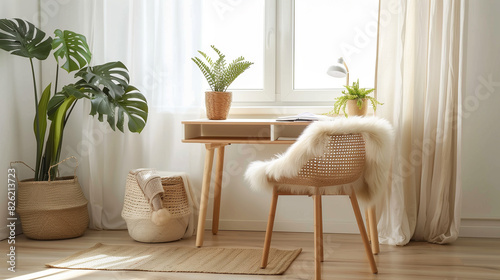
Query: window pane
[236,28]
[328,29]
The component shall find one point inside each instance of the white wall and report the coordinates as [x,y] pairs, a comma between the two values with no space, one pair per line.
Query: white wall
[481,128]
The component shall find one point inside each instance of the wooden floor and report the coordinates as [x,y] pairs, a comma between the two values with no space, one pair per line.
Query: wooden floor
[468,258]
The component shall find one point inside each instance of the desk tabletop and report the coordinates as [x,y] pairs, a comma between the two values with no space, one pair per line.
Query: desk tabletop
[247,122]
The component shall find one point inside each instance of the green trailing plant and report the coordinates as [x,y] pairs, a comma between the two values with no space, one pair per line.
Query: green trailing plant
[218,75]
[354,93]
[105,86]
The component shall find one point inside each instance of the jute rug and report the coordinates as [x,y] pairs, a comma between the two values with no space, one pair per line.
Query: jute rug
[178,259]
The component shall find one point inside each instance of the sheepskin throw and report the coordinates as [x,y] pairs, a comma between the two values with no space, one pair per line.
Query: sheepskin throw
[377,134]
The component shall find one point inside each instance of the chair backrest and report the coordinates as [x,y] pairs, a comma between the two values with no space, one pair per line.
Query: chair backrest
[342,163]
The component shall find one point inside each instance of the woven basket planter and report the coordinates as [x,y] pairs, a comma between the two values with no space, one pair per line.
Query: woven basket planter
[52,209]
[218,104]
[137,211]
[353,109]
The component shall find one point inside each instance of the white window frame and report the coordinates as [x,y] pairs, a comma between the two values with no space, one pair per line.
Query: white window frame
[267,94]
[279,91]
[286,89]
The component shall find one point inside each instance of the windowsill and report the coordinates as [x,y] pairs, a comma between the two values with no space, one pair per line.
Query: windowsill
[274,111]
[277,110]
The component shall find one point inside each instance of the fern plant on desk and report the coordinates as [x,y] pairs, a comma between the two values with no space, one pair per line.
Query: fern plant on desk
[219,78]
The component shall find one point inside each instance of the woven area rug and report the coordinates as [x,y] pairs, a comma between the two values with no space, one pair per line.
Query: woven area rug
[178,259]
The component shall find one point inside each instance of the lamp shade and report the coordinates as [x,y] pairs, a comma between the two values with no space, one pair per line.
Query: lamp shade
[338,70]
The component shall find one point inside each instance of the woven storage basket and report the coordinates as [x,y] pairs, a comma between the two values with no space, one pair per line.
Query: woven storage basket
[52,209]
[218,104]
[137,211]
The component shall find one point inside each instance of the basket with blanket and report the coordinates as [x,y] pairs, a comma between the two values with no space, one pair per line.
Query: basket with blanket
[155,208]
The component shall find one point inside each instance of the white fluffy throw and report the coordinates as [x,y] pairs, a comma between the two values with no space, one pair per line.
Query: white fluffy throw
[378,136]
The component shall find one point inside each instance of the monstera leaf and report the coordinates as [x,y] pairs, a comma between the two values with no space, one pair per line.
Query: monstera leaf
[22,38]
[73,48]
[102,104]
[132,104]
[113,76]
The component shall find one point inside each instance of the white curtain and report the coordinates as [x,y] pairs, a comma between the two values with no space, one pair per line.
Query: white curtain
[18,111]
[419,80]
[155,40]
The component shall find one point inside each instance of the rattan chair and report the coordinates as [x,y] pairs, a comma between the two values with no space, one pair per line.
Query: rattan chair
[339,170]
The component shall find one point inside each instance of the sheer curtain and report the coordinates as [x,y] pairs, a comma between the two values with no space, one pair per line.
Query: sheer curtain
[155,40]
[419,80]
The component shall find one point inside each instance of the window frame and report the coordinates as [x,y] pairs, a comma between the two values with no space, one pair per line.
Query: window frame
[279,89]
[287,90]
[267,94]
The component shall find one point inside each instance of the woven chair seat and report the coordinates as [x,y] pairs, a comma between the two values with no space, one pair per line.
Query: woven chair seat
[342,163]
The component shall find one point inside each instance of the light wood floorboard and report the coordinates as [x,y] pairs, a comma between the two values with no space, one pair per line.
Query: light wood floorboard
[467,258]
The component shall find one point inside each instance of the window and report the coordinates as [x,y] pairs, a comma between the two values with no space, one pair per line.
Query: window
[292,44]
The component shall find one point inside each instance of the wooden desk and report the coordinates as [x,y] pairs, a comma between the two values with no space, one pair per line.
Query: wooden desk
[216,134]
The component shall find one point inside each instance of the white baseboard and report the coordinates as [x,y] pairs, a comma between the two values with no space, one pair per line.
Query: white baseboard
[486,228]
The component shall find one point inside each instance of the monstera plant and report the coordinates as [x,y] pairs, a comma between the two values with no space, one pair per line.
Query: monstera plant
[106,86]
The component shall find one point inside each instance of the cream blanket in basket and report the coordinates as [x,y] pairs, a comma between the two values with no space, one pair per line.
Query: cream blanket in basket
[149,180]
[150,183]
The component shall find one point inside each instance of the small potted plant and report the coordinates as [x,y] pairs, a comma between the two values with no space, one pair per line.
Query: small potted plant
[356,100]
[219,78]
[50,207]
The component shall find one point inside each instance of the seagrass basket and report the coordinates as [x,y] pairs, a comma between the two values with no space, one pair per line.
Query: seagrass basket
[137,211]
[54,209]
[218,104]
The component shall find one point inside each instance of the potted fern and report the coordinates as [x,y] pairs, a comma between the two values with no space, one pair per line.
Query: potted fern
[219,78]
[355,99]
[62,211]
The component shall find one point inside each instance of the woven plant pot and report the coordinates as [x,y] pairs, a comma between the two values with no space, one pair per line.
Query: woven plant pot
[52,209]
[353,109]
[137,211]
[218,104]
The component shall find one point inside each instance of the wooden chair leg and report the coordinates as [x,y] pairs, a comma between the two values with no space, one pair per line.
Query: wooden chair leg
[368,228]
[362,231]
[217,189]
[205,189]
[318,240]
[322,242]
[373,230]
[269,230]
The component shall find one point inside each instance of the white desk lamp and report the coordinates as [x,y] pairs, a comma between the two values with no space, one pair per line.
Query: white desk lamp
[339,70]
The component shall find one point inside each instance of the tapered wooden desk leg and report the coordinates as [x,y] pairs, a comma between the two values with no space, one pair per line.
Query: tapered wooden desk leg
[219,168]
[205,190]
[269,230]
[362,231]
[317,236]
[372,218]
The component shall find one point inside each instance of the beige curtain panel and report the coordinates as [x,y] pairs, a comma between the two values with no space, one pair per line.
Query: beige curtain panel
[419,80]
